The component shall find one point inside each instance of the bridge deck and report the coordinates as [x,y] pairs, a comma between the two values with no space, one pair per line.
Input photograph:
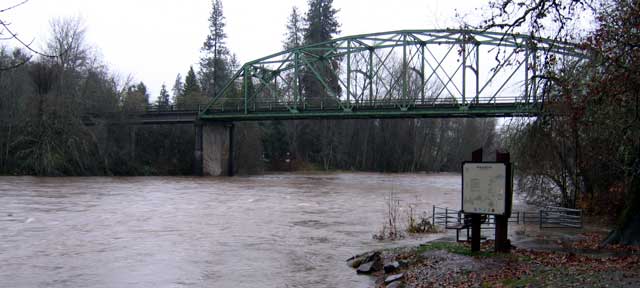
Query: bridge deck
[378,112]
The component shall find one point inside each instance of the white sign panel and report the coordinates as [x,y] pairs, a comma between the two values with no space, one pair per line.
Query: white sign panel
[483,188]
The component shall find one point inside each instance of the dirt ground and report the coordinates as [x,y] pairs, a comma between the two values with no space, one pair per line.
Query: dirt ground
[540,258]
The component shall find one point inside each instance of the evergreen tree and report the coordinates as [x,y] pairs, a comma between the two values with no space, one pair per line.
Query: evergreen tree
[191,83]
[192,93]
[177,89]
[163,102]
[321,21]
[214,62]
[295,30]
[322,25]
[317,141]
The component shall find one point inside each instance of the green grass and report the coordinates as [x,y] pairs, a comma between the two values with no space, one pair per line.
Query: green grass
[452,247]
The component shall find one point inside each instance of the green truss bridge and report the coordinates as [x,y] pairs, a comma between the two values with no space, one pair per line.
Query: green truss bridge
[399,74]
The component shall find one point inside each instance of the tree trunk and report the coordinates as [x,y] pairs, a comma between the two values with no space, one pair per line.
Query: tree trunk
[628,232]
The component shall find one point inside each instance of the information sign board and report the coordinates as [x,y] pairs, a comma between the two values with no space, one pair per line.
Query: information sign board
[484,188]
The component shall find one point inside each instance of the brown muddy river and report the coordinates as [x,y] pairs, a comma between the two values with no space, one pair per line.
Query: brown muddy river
[284,230]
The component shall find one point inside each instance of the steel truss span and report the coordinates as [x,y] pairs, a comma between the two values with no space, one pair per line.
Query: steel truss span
[399,74]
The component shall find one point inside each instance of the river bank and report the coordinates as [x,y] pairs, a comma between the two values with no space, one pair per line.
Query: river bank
[557,259]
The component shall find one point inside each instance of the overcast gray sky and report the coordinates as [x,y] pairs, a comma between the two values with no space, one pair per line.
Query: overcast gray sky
[154,40]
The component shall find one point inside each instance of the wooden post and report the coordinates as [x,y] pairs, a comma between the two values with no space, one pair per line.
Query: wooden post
[476,156]
[502,221]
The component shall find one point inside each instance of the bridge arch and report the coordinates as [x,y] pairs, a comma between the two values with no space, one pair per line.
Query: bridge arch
[397,74]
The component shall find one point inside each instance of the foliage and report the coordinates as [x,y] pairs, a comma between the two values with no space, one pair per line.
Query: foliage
[163,101]
[47,109]
[191,94]
[215,68]
[177,91]
[295,31]
[593,149]
[136,98]
[419,224]
[322,23]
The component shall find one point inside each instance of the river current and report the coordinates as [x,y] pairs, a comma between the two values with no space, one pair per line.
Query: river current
[282,230]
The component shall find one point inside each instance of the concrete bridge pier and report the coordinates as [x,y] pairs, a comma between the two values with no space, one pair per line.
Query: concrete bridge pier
[214,149]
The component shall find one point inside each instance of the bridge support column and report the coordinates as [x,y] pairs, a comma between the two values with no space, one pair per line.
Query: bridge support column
[197,154]
[214,149]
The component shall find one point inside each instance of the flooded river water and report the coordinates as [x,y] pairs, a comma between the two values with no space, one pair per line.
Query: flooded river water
[284,230]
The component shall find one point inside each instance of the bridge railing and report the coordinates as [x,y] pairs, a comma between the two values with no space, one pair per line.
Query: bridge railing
[234,105]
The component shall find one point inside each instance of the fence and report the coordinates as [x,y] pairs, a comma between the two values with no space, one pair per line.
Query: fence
[557,217]
[549,217]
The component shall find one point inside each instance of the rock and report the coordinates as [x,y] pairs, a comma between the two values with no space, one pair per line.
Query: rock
[393,278]
[360,260]
[391,267]
[366,268]
[355,261]
[396,284]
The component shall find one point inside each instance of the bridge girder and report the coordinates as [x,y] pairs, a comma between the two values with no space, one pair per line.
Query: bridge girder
[398,74]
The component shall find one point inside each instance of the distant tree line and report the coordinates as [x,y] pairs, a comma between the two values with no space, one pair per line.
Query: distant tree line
[46,104]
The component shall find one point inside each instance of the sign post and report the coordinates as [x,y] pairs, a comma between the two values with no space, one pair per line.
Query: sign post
[486,190]
[476,156]
[502,221]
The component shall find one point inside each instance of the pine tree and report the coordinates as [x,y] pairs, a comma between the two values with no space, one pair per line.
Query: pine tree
[322,25]
[163,102]
[318,139]
[177,90]
[295,30]
[191,92]
[214,62]
[191,83]
[321,21]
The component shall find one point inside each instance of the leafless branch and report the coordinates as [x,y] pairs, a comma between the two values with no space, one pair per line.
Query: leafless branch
[14,6]
[23,43]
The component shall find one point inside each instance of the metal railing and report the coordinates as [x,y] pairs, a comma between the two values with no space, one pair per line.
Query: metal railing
[548,217]
[236,105]
[558,217]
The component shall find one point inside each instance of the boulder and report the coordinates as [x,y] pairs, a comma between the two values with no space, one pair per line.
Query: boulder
[393,278]
[391,267]
[366,268]
[362,259]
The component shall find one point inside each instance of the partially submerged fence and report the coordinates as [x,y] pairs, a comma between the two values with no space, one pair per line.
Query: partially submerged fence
[558,217]
[548,217]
